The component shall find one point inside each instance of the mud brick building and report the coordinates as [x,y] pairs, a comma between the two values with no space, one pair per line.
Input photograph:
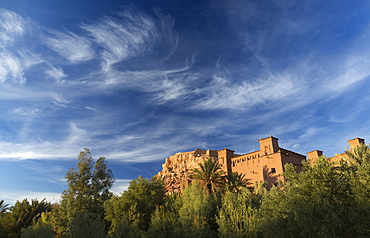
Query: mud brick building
[266,164]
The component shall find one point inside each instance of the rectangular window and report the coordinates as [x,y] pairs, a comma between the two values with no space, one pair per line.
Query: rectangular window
[273,170]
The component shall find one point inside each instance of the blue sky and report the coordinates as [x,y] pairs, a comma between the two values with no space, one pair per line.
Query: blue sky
[137,81]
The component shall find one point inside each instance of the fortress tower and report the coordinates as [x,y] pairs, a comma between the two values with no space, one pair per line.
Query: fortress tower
[269,145]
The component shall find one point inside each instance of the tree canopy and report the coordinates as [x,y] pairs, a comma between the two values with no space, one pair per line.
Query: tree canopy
[88,185]
[88,189]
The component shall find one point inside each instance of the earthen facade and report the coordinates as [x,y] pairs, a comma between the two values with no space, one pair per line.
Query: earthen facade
[266,164]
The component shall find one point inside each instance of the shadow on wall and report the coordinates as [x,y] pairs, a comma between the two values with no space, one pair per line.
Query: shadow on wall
[270,176]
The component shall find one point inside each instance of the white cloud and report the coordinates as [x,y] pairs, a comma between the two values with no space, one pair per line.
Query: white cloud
[222,93]
[148,80]
[122,41]
[11,92]
[67,147]
[13,65]
[77,136]
[91,108]
[13,151]
[11,197]
[14,61]
[130,35]
[355,69]
[58,99]
[25,112]
[120,185]
[139,146]
[10,68]
[73,47]
[20,155]
[311,132]
[11,25]
[171,90]
[56,73]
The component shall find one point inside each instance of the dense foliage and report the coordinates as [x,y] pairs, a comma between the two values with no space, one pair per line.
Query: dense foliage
[136,205]
[324,200]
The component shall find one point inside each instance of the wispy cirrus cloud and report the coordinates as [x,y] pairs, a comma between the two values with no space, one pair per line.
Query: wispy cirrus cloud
[222,94]
[354,73]
[10,68]
[122,42]
[352,66]
[11,26]
[75,48]
[136,145]
[14,61]
[33,150]
[58,99]
[56,73]
[62,147]
[11,92]
[132,50]
[25,112]
[171,90]
[14,64]
[130,35]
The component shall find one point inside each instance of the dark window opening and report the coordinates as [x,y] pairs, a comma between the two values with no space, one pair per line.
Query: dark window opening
[273,170]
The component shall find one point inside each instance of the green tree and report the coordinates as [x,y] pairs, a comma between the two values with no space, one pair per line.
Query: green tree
[360,155]
[85,225]
[209,174]
[235,181]
[136,204]
[22,215]
[88,189]
[126,230]
[3,207]
[165,220]
[57,218]
[356,167]
[317,202]
[239,216]
[164,223]
[197,214]
[88,186]
[358,161]
[38,230]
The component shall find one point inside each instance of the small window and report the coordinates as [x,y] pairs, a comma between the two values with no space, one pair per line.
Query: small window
[273,170]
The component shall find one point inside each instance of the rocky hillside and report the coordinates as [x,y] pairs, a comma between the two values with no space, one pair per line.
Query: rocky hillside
[177,169]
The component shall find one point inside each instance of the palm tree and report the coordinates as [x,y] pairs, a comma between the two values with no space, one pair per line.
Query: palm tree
[3,207]
[210,174]
[235,181]
[359,156]
[359,161]
[25,213]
